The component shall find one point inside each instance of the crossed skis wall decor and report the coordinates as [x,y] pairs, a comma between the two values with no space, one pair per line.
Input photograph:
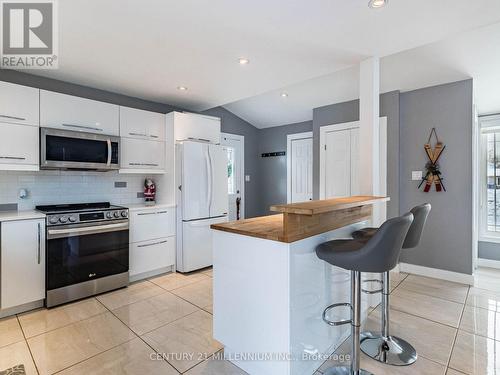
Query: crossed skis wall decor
[433,175]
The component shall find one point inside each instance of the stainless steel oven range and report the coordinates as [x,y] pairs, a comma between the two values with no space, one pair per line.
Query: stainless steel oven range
[87,250]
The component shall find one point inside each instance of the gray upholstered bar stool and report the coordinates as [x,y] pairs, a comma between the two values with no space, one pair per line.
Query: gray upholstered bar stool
[378,254]
[382,346]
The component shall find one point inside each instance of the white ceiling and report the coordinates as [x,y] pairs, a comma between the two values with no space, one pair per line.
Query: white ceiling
[473,54]
[147,48]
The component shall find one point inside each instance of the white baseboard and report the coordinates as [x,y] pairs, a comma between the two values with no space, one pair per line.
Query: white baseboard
[488,263]
[437,273]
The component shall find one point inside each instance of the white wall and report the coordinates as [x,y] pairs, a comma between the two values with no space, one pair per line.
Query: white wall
[51,187]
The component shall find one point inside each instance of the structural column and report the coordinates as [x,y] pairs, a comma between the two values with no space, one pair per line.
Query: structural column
[369,134]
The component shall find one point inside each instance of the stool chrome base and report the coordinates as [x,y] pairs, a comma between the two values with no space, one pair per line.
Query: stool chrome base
[344,370]
[391,350]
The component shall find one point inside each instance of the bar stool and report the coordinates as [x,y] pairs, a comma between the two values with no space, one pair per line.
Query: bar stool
[382,346]
[379,254]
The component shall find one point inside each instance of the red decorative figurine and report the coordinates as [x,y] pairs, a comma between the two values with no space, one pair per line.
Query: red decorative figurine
[149,191]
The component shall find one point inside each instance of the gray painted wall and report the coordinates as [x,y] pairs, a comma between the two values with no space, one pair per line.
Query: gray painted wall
[489,250]
[235,125]
[447,241]
[349,111]
[273,169]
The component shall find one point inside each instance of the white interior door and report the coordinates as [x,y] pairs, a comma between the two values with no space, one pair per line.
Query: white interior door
[338,164]
[300,166]
[235,149]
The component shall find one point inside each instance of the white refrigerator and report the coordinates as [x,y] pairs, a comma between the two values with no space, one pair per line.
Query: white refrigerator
[201,175]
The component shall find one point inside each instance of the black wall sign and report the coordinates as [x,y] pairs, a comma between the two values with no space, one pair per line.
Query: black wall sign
[270,154]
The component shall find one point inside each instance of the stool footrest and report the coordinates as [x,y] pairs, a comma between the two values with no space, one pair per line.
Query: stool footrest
[338,322]
[373,291]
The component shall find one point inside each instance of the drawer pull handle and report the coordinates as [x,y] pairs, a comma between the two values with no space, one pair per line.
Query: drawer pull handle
[138,134]
[144,164]
[82,127]
[152,213]
[12,157]
[154,136]
[152,244]
[13,117]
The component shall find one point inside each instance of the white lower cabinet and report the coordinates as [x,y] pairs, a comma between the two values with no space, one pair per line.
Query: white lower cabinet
[147,256]
[22,255]
[152,240]
[19,147]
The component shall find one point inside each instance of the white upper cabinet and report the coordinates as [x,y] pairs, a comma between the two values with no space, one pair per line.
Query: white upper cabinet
[19,104]
[142,156]
[78,114]
[191,126]
[136,123]
[19,147]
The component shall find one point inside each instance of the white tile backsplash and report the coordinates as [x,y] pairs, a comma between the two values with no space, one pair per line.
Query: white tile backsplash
[52,187]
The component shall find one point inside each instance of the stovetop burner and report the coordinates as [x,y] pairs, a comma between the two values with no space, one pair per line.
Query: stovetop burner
[73,207]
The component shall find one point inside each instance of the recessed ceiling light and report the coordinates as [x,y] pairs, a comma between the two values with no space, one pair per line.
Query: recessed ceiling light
[377,3]
[284,94]
[243,61]
[182,88]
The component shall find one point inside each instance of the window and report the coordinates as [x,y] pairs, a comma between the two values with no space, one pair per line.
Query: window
[490,176]
[230,171]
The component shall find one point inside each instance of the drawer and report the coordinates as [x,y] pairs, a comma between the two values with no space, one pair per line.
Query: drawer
[149,224]
[147,256]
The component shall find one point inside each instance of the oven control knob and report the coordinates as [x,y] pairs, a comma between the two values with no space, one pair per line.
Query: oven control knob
[117,214]
[63,219]
[72,219]
[109,215]
[53,220]
[124,213]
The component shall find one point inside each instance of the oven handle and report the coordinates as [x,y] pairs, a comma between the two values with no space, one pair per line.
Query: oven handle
[71,232]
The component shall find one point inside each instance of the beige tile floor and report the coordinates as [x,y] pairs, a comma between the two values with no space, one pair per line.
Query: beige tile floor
[455,329]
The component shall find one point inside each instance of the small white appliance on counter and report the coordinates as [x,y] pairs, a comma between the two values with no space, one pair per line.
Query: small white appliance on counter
[201,173]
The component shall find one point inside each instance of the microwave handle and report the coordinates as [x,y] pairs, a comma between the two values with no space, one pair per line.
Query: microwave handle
[109,152]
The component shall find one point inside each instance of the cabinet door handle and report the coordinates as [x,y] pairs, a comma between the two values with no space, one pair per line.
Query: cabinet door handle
[13,117]
[39,242]
[154,136]
[138,134]
[152,244]
[144,164]
[13,157]
[82,127]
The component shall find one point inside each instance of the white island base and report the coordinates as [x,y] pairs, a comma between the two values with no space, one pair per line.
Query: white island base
[269,297]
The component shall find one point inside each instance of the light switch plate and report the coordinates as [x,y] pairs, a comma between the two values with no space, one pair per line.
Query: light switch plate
[247,178]
[416,175]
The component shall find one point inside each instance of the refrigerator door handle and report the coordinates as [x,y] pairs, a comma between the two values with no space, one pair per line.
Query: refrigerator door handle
[209,180]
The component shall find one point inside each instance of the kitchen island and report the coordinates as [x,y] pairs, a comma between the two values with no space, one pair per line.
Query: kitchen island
[270,289]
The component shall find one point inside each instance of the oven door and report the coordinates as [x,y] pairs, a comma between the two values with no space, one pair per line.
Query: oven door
[63,149]
[78,253]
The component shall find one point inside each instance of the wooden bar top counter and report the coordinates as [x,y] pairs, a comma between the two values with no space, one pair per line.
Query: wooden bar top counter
[301,220]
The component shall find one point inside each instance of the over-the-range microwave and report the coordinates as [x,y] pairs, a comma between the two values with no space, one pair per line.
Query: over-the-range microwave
[64,149]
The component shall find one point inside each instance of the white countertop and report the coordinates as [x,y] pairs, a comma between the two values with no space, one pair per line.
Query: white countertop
[21,215]
[137,207]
